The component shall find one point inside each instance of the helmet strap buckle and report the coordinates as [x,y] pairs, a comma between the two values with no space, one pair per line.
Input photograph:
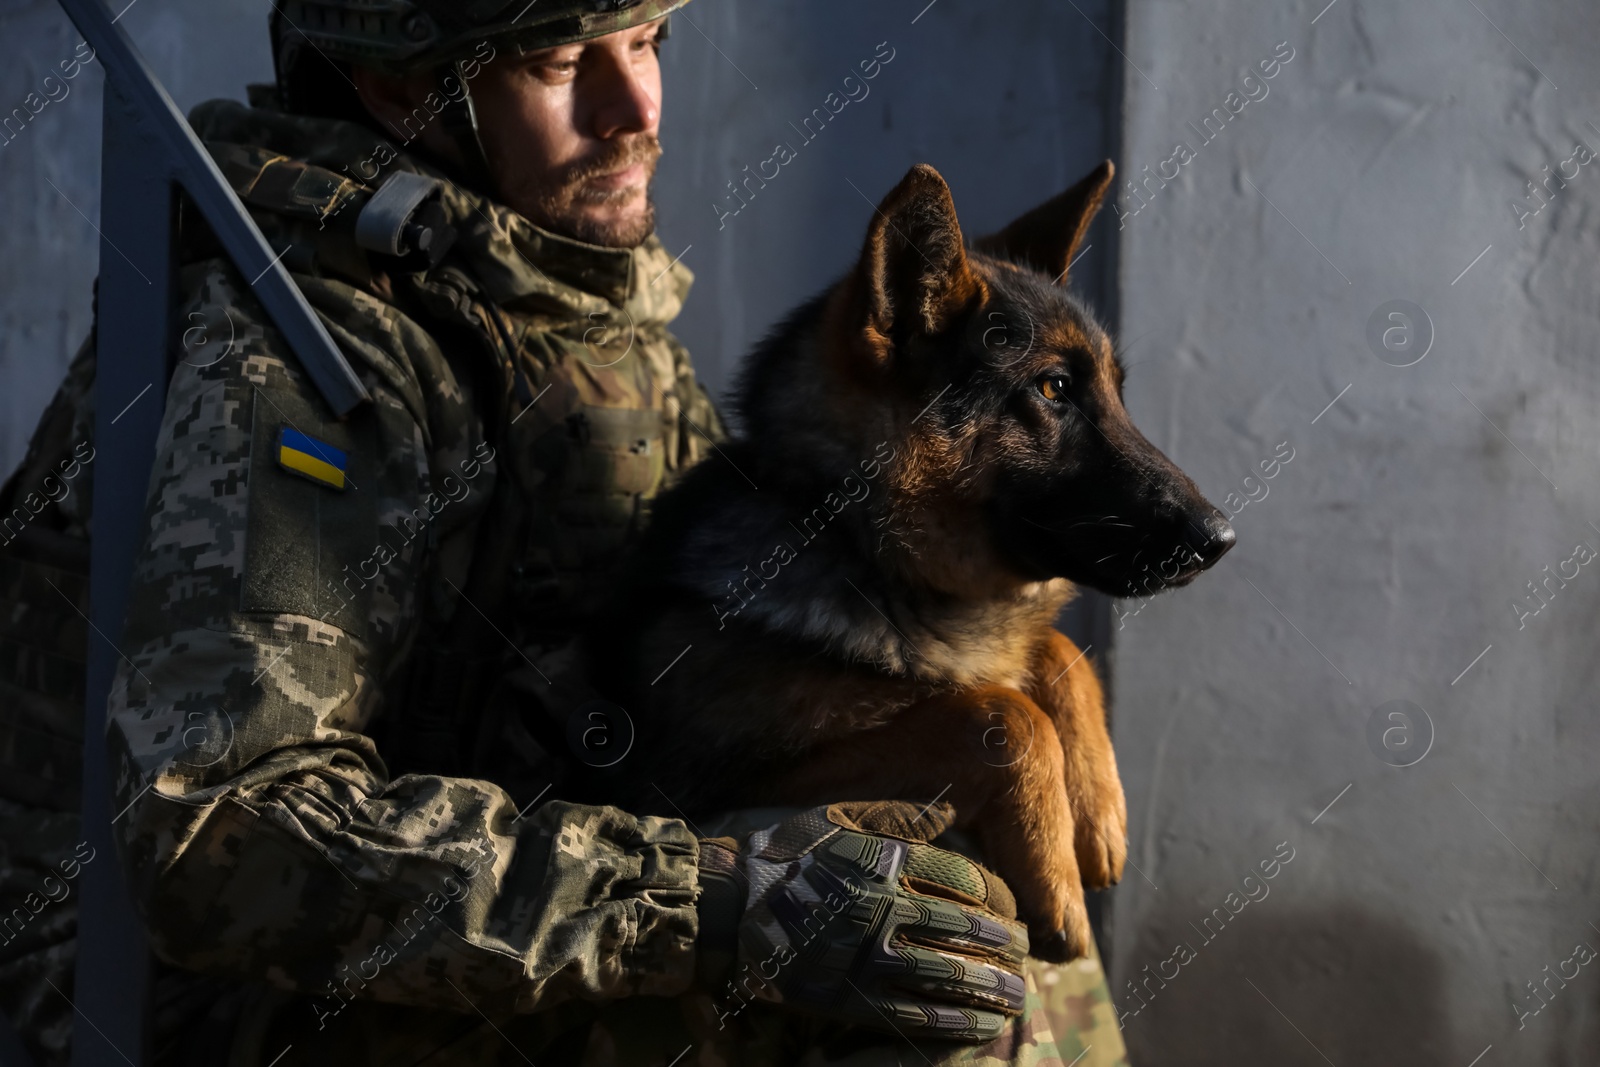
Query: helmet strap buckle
[460,119]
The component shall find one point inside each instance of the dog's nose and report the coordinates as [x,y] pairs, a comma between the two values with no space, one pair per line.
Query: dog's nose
[1218,538]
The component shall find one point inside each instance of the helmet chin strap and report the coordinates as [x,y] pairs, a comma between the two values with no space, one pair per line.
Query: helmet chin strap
[460,119]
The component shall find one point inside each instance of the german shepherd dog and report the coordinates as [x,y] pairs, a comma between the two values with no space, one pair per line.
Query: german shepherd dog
[856,598]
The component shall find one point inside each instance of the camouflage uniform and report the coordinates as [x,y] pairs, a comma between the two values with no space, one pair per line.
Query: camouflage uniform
[301,757]
[44,587]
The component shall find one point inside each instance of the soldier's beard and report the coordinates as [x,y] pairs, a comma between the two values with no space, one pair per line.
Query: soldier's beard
[564,204]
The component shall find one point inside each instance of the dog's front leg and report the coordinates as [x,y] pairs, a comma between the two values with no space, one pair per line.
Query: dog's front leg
[1066,686]
[994,754]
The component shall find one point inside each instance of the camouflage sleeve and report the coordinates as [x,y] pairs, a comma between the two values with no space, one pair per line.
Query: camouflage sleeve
[269,614]
[44,591]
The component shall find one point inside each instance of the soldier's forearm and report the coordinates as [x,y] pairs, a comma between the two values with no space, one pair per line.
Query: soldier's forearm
[292,858]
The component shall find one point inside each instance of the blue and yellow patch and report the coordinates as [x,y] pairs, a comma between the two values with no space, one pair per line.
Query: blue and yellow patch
[310,458]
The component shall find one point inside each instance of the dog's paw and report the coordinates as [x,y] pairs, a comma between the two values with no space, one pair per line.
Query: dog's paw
[1100,836]
[1068,941]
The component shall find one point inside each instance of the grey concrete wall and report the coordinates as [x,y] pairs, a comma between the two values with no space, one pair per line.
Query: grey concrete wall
[1386,557]
[742,78]
[47,251]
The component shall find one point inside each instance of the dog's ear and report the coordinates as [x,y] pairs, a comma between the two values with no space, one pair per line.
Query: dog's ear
[913,276]
[1047,238]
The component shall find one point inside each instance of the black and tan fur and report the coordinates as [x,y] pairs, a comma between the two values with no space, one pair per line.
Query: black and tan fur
[940,445]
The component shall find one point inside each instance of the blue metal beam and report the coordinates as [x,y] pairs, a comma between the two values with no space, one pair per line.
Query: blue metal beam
[149,152]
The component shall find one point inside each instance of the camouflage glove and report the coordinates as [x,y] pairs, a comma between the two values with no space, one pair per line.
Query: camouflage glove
[846,912]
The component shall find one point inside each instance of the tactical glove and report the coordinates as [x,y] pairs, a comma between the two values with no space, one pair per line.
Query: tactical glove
[846,912]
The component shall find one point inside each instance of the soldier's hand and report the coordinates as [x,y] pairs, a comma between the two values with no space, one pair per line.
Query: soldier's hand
[846,912]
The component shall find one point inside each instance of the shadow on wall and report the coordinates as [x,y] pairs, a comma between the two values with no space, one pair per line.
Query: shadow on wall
[1361,989]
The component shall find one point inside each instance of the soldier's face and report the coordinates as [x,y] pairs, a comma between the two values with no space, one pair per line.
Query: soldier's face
[570,133]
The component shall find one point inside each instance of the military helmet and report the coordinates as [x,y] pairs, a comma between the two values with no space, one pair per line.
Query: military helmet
[402,36]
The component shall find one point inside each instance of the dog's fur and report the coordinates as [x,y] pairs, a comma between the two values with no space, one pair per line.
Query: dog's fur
[868,577]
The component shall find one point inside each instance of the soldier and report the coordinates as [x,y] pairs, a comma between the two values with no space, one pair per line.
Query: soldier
[331,732]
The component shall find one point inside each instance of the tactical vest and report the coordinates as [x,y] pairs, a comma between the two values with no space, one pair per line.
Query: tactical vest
[587,416]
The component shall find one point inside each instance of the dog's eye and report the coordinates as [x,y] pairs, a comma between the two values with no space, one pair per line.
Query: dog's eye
[1054,387]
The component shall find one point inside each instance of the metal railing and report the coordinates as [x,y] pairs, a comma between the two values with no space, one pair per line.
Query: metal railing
[149,154]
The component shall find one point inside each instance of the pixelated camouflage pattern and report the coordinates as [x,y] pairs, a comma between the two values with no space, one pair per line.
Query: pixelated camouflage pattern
[254,672]
[618,409]
[271,620]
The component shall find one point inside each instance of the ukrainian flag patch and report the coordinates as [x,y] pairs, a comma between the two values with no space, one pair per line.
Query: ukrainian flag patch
[310,458]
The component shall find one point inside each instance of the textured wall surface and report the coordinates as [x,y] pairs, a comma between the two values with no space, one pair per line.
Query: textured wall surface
[49,250]
[1010,110]
[1383,560]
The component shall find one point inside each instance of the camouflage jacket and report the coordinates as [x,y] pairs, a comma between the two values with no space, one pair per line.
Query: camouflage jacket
[527,403]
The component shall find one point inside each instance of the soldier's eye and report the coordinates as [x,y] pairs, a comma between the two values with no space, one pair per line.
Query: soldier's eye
[1053,387]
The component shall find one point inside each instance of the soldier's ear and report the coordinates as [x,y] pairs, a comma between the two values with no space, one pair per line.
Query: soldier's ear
[1047,238]
[913,276]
